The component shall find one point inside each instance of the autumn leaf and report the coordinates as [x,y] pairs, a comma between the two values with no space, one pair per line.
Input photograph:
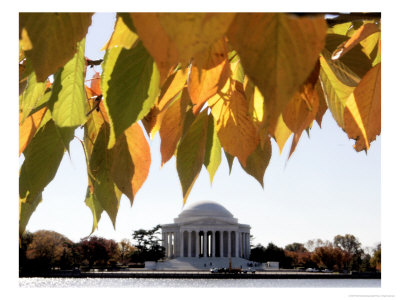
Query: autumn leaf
[100,162]
[322,107]
[335,90]
[362,33]
[130,85]
[28,127]
[34,95]
[278,52]
[281,133]
[234,125]
[190,153]
[122,36]
[258,161]
[171,88]
[212,157]
[205,80]
[49,39]
[362,115]
[68,102]
[302,109]
[131,161]
[172,126]
[42,158]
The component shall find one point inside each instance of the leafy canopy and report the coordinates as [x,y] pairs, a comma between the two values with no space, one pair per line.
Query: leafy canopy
[206,82]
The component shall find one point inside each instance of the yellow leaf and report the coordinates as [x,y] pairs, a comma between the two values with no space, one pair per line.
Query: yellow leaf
[210,76]
[362,115]
[131,162]
[281,133]
[236,131]
[122,36]
[278,52]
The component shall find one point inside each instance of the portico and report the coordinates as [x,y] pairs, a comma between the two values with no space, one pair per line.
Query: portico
[206,229]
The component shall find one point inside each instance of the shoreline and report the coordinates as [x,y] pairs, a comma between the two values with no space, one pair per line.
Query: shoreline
[200,275]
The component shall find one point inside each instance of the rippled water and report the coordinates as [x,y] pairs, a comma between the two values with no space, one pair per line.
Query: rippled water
[196,283]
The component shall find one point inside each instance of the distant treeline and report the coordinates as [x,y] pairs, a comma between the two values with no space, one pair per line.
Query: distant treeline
[45,250]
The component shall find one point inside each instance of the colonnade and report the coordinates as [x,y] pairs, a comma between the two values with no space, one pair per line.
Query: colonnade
[206,243]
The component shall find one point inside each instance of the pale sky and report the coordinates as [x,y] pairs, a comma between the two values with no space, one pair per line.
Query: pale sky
[325,189]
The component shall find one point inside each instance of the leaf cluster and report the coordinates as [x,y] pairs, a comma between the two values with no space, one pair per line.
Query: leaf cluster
[208,83]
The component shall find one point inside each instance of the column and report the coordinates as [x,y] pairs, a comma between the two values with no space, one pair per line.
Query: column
[205,238]
[190,244]
[221,243]
[181,242]
[197,243]
[248,246]
[237,244]
[169,244]
[213,244]
[229,244]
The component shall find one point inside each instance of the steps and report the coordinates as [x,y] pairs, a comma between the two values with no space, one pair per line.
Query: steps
[201,263]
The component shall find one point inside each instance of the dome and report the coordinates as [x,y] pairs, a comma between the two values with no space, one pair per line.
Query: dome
[205,208]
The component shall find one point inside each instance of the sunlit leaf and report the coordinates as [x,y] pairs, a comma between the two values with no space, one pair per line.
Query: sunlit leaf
[26,208]
[33,96]
[131,161]
[68,102]
[281,133]
[130,84]
[258,161]
[190,153]
[335,91]
[49,39]
[28,127]
[277,52]
[234,125]
[212,157]
[205,80]
[362,33]
[122,36]
[172,126]
[362,115]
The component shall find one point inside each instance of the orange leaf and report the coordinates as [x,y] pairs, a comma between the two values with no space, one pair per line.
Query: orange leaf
[172,126]
[362,114]
[204,82]
[28,127]
[131,165]
[322,107]
[236,131]
[303,107]
[172,86]
[95,84]
[156,41]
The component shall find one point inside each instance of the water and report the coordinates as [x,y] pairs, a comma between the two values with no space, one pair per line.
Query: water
[196,283]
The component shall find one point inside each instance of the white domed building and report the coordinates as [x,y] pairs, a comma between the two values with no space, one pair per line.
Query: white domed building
[205,234]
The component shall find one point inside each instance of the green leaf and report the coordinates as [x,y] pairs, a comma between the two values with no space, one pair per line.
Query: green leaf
[68,102]
[130,83]
[190,154]
[103,187]
[26,208]
[230,159]
[42,158]
[33,96]
[49,39]
[95,207]
[212,158]
[258,161]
